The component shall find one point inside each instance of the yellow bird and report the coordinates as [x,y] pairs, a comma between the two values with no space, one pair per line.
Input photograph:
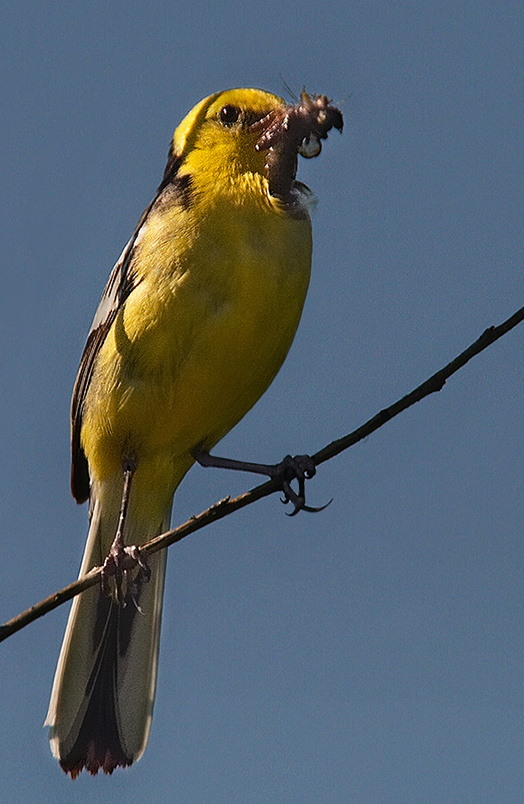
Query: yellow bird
[197,317]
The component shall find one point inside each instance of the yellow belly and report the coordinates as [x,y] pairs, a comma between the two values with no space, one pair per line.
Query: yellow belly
[196,344]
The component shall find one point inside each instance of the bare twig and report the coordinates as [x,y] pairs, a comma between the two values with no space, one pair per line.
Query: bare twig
[434,383]
[228,505]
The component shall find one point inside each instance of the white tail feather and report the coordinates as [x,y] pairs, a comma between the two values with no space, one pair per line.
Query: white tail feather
[102,699]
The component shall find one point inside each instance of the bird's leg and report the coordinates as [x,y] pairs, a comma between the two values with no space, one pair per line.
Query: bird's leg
[122,559]
[299,467]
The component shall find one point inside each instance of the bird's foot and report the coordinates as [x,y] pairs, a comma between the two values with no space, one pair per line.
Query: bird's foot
[120,565]
[299,468]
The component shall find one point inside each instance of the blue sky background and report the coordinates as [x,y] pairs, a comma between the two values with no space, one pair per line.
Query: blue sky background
[371,653]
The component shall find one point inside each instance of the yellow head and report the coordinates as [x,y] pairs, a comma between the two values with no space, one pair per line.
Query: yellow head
[233,111]
[248,131]
[216,141]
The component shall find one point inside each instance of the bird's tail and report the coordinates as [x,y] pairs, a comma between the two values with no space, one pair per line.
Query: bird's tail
[104,688]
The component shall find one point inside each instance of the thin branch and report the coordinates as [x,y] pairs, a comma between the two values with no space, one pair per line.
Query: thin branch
[435,383]
[228,506]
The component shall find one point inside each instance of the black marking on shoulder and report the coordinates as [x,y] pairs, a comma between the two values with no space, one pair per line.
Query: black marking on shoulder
[171,169]
[173,185]
[177,191]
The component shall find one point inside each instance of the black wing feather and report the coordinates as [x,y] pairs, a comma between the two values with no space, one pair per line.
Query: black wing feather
[121,283]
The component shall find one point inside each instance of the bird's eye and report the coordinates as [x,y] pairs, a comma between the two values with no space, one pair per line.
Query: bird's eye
[229,114]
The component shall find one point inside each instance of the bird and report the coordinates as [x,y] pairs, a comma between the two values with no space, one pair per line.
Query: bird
[197,318]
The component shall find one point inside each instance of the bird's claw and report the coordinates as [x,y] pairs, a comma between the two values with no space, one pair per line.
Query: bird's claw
[120,564]
[299,468]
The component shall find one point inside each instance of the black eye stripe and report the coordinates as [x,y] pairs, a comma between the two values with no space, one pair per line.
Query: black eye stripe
[229,114]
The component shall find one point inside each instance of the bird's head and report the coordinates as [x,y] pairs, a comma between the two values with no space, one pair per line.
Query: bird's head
[242,132]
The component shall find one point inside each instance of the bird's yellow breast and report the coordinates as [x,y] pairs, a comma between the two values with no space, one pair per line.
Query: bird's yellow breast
[214,311]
